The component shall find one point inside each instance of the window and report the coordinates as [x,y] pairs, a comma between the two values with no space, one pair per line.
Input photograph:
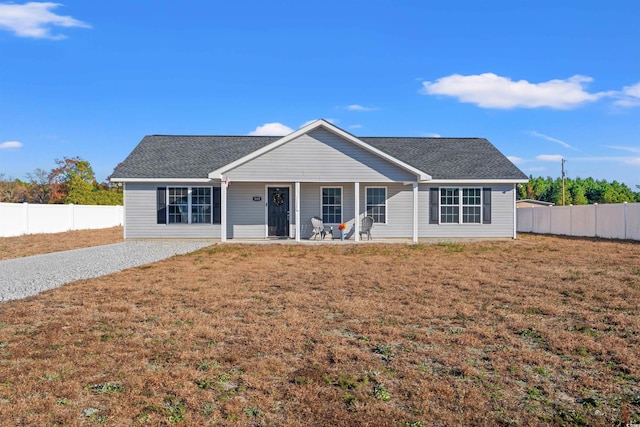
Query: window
[332,205]
[179,205]
[471,205]
[451,204]
[377,204]
[201,205]
[446,205]
[189,205]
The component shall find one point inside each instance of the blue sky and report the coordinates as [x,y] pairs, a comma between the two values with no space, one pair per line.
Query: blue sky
[541,80]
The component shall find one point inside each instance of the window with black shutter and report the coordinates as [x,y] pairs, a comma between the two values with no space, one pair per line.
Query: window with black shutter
[188,205]
[459,205]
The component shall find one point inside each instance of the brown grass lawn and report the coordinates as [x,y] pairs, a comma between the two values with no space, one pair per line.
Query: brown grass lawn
[537,331]
[35,244]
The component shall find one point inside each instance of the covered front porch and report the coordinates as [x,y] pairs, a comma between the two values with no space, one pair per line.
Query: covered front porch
[283,210]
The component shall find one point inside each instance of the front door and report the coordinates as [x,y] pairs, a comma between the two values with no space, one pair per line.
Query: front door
[278,211]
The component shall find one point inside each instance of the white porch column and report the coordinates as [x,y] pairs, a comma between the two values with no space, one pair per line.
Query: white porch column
[415,212]
[515,215]
[297,208]
[223,210]
[356,204]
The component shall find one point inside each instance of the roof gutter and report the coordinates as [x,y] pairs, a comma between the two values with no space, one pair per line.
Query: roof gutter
[475,181]
[152,180]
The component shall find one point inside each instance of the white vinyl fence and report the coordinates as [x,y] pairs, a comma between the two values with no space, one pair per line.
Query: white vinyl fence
[611,221]
[17,219]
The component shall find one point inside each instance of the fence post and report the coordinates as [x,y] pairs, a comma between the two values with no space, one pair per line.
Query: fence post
[25,216]
[625,220]
[533,221]
[571,219]
[70,221]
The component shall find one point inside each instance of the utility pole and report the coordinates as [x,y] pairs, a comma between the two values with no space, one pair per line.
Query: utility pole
[563,175]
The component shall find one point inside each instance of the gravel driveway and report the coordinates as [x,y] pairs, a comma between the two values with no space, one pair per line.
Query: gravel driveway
[23,277]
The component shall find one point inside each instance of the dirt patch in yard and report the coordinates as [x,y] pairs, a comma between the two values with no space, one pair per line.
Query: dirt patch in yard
[537,331]
[36,244]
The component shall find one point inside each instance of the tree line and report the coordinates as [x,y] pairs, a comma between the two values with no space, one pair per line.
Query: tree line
[72,180]
[577,191]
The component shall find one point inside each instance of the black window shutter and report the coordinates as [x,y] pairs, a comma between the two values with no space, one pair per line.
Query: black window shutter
[486,206]
[434,198]
[161,197]
[217,210]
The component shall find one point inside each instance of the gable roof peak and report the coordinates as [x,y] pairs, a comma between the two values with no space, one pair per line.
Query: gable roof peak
[321,123]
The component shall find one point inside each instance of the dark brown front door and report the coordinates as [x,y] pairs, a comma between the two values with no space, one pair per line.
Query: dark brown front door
[278,211]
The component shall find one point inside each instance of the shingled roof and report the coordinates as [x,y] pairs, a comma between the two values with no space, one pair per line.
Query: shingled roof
[450,158]
[165,156]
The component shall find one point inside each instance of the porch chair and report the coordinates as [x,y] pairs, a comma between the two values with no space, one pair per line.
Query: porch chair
[365,226]
[318,228]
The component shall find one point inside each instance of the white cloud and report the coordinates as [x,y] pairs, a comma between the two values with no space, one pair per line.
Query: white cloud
[10,144]
[34,20]
[271,129]
[333,121]
[489,90]
[548,138]
[633,90]
[356,107]
[629,96]
[516,160]
[355,127]
[278,129]
[634,162]
[624,148]
[550,157]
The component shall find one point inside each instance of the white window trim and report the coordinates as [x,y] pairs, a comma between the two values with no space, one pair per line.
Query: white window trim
[341,203]
[386,204]
[191,205]
[189,213]
[460,206]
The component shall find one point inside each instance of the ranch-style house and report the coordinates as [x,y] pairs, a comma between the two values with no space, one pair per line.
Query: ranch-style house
[260,187]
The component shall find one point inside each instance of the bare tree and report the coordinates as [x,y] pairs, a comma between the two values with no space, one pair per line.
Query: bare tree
[12,190]
[39,186]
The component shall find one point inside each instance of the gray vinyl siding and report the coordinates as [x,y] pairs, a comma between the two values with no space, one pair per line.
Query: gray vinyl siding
[246,218]
[310,205]
[141,216]
[502,216]
[320,156]
[399,208]
[399,211]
